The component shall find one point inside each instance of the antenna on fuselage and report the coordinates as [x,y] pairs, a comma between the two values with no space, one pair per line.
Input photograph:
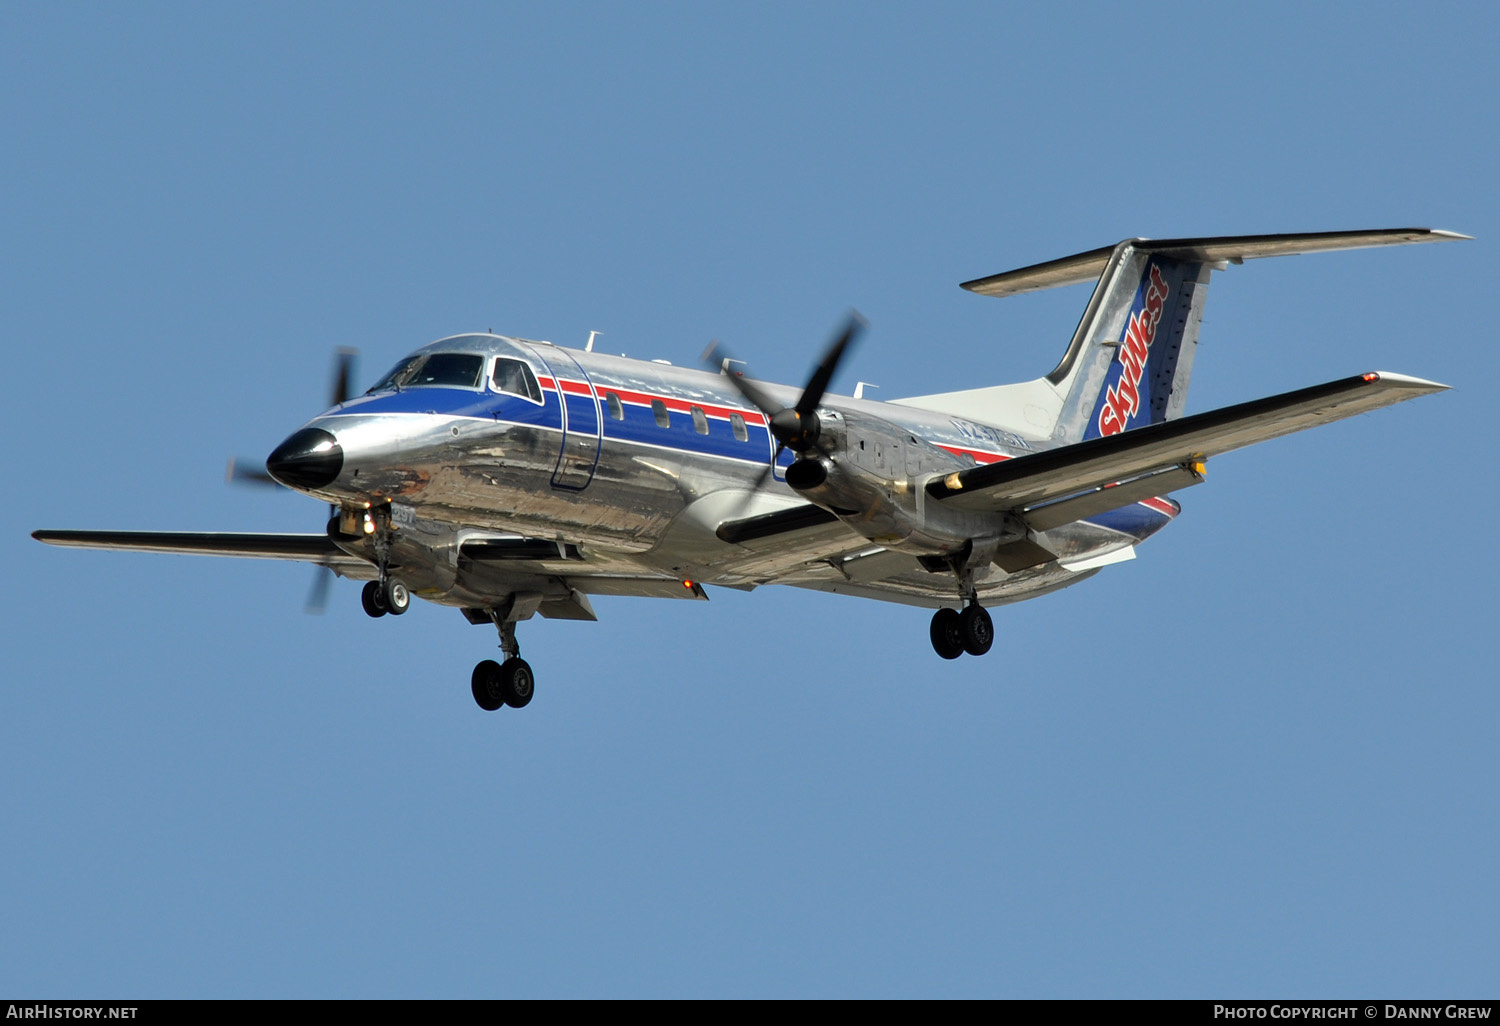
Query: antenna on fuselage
[589,348]
[859,388]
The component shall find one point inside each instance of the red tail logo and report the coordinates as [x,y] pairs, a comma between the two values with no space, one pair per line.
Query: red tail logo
[1123,399]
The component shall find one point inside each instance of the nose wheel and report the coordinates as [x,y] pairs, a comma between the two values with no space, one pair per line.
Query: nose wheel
[388,596]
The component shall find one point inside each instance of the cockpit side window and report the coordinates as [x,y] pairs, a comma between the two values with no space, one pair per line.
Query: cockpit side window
[515,377]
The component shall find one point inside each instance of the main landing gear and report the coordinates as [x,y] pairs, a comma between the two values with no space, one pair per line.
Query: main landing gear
[509,683]
[954,633]
[971,631]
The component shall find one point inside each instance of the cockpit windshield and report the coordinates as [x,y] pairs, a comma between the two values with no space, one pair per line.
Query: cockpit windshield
[432,370]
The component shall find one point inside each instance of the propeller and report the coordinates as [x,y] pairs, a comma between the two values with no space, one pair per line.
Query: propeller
[342,373]
[246,472]
[794,427]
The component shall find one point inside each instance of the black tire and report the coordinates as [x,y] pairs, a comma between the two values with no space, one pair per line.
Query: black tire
[485,684]
[947,634]
[517,683]
[372,599]
[977,629]
[397,597]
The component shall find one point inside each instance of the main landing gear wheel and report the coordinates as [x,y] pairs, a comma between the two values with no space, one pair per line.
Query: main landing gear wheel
[496,684]
[486,686]
[947,634]
[373,599]
[977,628]
[517,682]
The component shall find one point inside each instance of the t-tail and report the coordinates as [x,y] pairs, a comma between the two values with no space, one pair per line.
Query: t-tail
[1131,357]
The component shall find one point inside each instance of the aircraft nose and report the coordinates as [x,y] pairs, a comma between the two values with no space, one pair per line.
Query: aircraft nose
[310,458]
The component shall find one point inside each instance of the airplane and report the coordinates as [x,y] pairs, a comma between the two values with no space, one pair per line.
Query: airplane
[510,477]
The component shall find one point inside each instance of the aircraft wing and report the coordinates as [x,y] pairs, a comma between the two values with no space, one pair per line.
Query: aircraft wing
[306,548]
[1172,448]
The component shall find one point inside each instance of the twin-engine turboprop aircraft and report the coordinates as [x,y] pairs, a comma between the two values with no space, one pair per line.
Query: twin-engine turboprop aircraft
[509,477]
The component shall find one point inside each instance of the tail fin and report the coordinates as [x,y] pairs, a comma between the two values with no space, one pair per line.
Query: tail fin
[1130,359]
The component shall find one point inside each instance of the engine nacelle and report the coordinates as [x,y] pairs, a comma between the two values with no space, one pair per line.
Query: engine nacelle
[871,474]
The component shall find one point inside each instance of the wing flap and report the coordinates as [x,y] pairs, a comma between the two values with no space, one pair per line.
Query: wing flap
[1066,471]
[1109,497]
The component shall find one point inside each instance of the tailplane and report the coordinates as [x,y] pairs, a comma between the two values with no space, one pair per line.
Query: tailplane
[1130,359]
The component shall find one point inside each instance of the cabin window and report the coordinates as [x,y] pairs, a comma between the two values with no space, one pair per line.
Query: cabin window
[663,418]
[454,370]
[514,377]
[616,410]
[741,433]
[700,420]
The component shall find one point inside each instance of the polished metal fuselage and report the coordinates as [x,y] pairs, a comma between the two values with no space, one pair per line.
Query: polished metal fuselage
[632,466]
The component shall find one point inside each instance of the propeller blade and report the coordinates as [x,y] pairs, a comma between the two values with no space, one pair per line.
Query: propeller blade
[317,598]
[796,428]
[343,373]
[818,383]
[242,472]
[715,356]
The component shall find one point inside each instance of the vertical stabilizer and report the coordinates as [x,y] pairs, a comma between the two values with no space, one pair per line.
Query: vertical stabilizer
[1130,359]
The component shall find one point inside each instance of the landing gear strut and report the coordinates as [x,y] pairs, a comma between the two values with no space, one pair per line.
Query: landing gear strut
[509,683]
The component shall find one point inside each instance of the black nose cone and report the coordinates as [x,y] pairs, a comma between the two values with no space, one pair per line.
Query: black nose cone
[311,458]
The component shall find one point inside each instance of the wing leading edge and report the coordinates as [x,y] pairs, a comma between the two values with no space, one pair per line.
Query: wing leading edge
[307,548]
[1098,463]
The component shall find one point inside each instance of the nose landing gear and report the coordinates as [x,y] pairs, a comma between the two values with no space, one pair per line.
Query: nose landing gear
[388,596]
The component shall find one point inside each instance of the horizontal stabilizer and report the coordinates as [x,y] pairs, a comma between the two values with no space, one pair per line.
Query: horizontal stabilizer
[1070,469]
[1234,249]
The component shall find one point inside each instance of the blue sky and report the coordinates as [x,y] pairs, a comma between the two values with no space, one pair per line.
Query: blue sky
[1257,761]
